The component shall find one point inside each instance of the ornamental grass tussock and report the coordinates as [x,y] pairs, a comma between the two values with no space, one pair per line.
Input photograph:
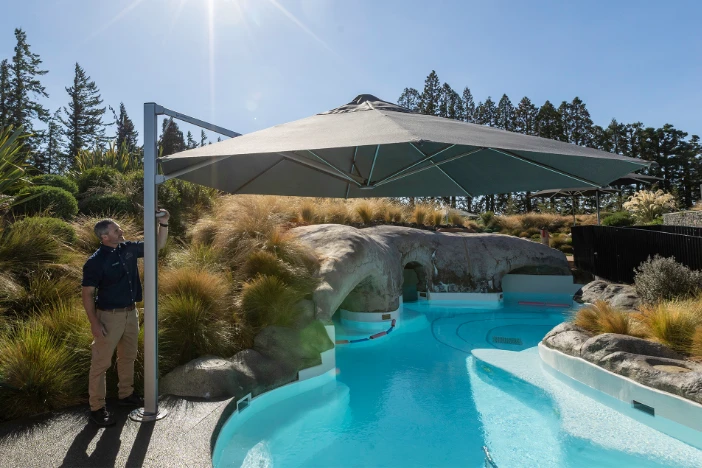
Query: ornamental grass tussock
[673,323]
[601,317]
[39,373]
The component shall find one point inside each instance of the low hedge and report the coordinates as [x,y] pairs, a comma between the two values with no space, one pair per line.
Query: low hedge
[100,176]
[55,180]
[46,199]
[107,204]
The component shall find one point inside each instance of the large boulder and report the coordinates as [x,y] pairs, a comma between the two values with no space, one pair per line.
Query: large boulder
[298,349]
[599,347]
[362,269]
[204,377]
[567,338]
[682,378]
[622,296]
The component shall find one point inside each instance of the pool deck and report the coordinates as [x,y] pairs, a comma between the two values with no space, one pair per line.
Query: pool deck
[65,438]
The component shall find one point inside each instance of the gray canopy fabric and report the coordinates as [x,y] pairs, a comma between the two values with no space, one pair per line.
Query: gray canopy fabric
[373,148]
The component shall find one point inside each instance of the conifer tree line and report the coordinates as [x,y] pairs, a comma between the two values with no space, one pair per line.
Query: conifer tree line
[676,152]
[56,137]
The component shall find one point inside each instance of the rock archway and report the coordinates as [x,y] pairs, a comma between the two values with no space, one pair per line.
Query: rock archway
[363,269]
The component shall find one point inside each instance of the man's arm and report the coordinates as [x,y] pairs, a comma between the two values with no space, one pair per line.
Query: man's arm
[96,327]
[162,230]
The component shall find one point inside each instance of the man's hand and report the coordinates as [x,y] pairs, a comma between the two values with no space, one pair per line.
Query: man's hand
[98,330]
[162,216]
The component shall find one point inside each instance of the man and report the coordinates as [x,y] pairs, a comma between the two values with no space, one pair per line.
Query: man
[113,316]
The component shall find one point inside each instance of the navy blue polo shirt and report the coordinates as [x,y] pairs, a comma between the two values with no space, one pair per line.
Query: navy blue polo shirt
[115,275]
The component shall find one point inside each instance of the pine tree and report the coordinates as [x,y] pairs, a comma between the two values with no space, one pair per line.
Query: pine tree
[469,105]
[429,101]
[55,159]
[82,119]
[4,93]
[504,117]
[456,108]
[549,122]
[203,138]
[25,88]
[580,122]
[525,117]
[190,141]
[126,132]
[171,140]
[486,113]
[409,98]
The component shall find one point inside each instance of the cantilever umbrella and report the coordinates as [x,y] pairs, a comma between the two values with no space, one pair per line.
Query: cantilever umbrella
[577,192]
[372,148]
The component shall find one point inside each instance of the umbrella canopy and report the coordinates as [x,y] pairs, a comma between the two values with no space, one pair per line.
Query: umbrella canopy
[633,178]
[372,148]
[576,192]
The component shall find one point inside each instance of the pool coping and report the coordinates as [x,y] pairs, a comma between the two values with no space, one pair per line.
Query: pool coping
[674,415]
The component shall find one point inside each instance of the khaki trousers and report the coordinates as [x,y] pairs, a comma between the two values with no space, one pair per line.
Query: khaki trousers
[122,333]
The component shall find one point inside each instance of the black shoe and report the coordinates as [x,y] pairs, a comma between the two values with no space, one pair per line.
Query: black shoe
[132,400]
[102,417]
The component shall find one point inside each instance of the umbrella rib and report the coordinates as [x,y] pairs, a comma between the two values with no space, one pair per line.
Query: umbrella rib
[414,164]
[370,174]
[241,187]
[451,179]
[435,166]
[545,166]
[342,173]
[295,158]
[353,166]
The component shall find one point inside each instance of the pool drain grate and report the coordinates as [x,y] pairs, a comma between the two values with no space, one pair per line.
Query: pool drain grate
[506,340]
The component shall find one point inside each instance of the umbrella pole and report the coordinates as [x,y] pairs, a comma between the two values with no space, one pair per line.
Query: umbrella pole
[150,411]
[597,198]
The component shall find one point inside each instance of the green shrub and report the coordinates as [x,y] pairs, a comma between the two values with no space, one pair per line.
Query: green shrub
[54,200]
[619,219]
[54,226]
[267,301]
[39,374]
[107,204]
[55,180]
[663,278]
[98,177]
[562,243]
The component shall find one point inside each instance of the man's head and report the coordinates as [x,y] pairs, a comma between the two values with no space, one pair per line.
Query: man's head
[109,232]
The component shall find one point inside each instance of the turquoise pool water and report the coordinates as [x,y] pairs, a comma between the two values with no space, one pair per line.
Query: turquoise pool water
[418,398]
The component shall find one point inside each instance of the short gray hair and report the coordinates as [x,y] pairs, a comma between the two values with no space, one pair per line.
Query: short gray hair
[102,227]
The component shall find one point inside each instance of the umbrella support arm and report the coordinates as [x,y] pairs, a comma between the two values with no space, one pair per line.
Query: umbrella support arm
[151,411]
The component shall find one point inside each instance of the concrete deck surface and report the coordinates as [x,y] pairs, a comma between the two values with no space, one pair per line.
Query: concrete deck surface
[65,438]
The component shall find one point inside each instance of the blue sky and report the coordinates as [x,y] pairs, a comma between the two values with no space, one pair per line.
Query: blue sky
[250,64]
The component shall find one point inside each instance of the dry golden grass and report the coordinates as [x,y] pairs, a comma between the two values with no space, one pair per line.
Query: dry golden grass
[420,214]
[87,241]
[673,323]
[696,348]
[697,206]
[600,317]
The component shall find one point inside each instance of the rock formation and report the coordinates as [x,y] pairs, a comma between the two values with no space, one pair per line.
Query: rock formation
[362,269]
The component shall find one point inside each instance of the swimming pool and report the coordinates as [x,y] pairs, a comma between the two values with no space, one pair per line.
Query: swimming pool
[420,398]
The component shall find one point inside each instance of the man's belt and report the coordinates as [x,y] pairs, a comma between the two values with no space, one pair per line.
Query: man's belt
[129,308]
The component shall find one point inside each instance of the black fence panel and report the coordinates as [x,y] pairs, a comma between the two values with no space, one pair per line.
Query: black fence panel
[613,253]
